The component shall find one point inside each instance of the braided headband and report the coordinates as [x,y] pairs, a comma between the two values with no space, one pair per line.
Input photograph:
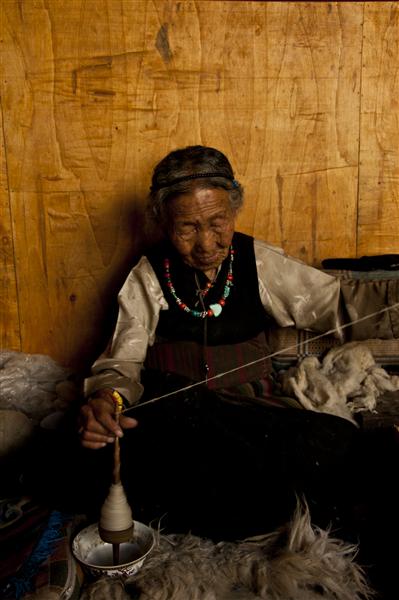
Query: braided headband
[155,188]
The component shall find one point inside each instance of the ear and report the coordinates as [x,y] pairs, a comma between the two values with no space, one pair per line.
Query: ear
[166,223]
[235,212]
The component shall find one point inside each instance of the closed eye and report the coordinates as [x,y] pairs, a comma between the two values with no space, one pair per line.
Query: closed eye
[219,224]
[186,228]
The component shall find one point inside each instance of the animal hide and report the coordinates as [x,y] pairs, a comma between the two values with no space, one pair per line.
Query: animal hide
[296,562]
[106,588]
[346,381]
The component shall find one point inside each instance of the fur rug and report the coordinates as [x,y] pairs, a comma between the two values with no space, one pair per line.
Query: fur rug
[345,382]
[297,562]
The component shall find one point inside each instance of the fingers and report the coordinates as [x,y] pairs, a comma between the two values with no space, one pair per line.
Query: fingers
[92,433]
[98,426]
[93,445]
[127,422]
[103,410]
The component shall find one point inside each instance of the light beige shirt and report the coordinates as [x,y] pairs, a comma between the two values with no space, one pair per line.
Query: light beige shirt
[293,293]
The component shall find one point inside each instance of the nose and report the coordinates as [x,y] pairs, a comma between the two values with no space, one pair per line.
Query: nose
[205,241]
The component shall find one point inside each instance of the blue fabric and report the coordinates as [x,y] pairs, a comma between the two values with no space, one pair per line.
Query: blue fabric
[21,583]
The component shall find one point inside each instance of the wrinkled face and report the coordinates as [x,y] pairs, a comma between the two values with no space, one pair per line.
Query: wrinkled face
[201,227]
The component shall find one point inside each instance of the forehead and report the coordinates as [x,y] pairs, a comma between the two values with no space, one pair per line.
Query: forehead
[200,204]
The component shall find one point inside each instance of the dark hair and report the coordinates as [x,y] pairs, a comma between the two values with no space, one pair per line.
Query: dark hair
[186,169]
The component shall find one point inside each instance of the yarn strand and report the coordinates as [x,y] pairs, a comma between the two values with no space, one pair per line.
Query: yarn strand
[258,360]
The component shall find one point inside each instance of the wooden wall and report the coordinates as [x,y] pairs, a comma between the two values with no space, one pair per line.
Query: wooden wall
[303,97]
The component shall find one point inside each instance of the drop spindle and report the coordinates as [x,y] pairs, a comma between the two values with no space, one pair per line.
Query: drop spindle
[116,521]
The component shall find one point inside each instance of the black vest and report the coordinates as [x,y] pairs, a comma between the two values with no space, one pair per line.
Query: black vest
[243,316]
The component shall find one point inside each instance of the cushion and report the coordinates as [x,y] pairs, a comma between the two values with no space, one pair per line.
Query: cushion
[379,262]
[292,345]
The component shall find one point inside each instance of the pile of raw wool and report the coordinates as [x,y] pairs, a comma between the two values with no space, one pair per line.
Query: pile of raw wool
[34,384]
[34,391]
[345,382]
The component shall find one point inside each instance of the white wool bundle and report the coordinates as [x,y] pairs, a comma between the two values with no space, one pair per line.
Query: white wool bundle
[345,382]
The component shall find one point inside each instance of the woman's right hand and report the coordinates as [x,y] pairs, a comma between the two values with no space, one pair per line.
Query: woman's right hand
[96,422]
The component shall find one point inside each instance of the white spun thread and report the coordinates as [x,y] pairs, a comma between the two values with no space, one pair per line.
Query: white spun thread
[116,514]
[276,353]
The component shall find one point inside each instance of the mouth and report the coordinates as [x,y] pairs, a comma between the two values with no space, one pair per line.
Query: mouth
[208,260]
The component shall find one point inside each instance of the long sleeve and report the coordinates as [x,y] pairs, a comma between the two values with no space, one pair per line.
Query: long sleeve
[140,301]
[295,294]
[298,295]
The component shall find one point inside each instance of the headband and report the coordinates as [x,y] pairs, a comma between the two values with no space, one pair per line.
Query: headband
[155,188]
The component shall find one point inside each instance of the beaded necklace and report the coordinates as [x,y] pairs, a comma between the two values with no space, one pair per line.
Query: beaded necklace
[214,310]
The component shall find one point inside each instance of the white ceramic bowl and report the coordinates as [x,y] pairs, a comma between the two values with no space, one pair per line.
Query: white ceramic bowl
[96,556]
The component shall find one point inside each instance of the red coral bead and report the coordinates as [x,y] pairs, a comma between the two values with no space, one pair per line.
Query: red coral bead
[210,313]
[222,302]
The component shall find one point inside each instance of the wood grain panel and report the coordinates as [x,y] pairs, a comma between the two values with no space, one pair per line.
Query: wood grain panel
[74,215]
[62,286]
[310,145]
[10,338]
[96,92]
[379,154]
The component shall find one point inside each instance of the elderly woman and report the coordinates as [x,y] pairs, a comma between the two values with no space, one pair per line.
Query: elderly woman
[200,302]
[222,458]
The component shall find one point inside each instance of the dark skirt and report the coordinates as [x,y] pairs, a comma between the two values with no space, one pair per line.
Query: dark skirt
[215,466]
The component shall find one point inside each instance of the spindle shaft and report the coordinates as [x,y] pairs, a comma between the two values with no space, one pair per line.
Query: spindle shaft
[116,522]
